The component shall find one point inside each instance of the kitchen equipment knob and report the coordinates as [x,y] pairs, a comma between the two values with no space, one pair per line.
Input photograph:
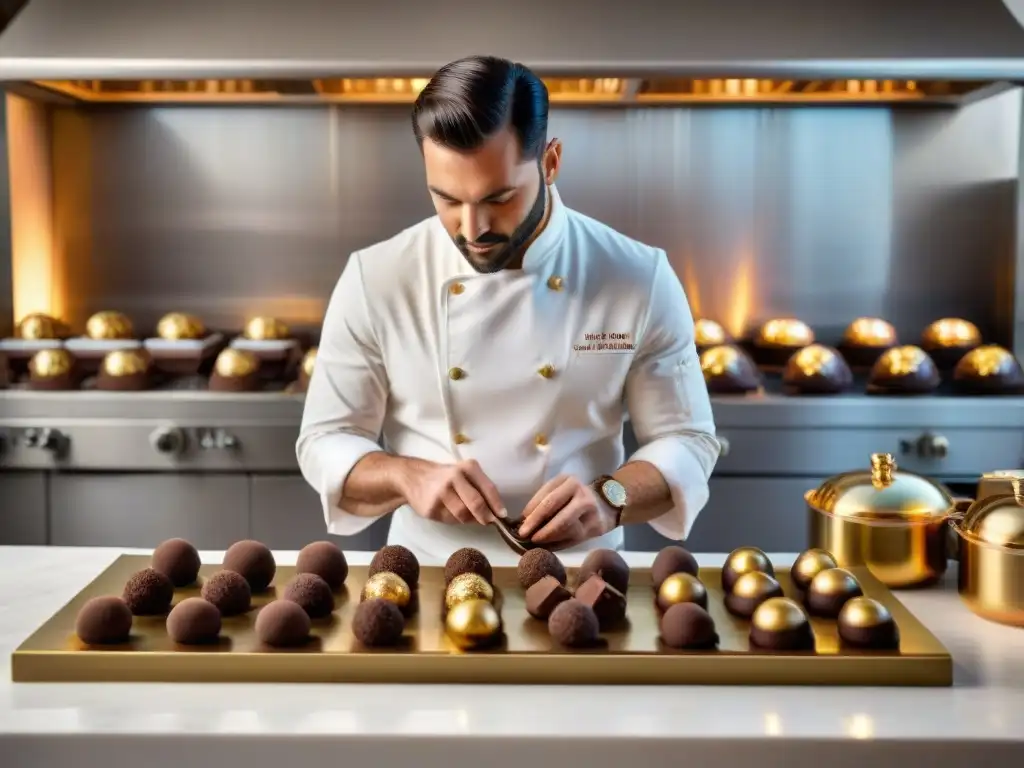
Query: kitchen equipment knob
[168,440]
[723,446]
[932,446]
[45,439]
[226,440]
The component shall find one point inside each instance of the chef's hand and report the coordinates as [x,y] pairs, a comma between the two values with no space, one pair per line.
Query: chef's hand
[565,512]
[452,493]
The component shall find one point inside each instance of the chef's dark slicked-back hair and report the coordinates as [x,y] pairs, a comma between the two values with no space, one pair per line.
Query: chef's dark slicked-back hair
[472,99]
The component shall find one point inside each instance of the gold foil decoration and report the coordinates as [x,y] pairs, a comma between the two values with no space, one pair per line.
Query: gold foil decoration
[708,333]
[985,362]
[785,332]
[467,586]
[265,329]
[834,581]
[682,588]
[236,363]
[387,586]
[721,361]
[754,584]
[37,327]
[473,624]
[109,325]
[900,361]
[778,614]
[814,360]
[51,363]
[951,332]
[870,332]
[809,564]
[179,326]
[125,362]
[864,613]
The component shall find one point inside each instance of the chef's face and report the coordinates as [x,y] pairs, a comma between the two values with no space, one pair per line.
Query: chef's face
[491,201]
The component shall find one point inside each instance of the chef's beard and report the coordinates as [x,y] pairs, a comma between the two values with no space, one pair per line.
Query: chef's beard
[507,248]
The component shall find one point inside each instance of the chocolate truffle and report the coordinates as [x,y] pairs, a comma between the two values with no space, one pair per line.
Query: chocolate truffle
[282,624]
[254,561]
[608,603]
[178,560]
[378,623]
[229,591]
[390,587]
[104,620]
[396,559]
[467,560]
[538,563]
[866,623]
[574,624]
[193,621]
[312,593]
[326,560]
[743,560]
[542,597]
[809,564]
[671,560]
[750,590]
[467,586]
[609,565]
[148,593]
[780,624]
[473,624]
[830,590]
[687,625]
[681,588]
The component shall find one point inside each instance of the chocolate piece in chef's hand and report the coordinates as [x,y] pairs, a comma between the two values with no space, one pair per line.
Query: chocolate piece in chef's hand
[564,511]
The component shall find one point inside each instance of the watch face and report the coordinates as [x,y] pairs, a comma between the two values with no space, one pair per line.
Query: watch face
[614,492]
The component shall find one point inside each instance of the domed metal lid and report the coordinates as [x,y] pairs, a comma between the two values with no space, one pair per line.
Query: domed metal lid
[998,520]
[882,496]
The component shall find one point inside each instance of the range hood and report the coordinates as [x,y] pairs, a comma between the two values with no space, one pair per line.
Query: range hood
[589,51]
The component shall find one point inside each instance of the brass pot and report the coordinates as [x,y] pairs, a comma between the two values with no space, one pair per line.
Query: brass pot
[893,522]
[991,554]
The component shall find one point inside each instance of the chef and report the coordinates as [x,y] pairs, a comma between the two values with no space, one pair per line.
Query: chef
[480,364]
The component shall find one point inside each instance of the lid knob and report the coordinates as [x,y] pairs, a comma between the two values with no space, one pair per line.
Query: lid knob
[1018,490]
[882,467]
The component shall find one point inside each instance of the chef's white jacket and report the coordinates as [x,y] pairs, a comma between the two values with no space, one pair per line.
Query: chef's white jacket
[531,372]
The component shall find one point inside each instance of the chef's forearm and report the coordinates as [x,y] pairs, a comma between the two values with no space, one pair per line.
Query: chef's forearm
[374,486]
[649,494]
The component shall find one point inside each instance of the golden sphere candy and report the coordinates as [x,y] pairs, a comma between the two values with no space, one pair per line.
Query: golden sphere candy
[901,361]
[387,586]
[179,326]
[986,361]
[744,560]
[870,332]
[467,586]
[808,565]
[109,325]
[780,624]
[38,326]
[51,363]
[708,333]
[829,590]
[867,623]
[951,332]
[309,362]
[785,332]
[682,588]
[265,329]
[236,363]
[750,590]
[125,362]
[473,624]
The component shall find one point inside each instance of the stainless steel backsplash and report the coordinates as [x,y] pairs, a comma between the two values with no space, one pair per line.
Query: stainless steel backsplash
[825,214]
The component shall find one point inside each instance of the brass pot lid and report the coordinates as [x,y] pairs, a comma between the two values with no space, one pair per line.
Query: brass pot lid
[997,520]
[882,496]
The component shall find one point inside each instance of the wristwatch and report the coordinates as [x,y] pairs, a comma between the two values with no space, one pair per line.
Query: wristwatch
[614,495]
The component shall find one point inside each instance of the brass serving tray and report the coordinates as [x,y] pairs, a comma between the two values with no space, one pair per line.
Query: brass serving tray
[632,655]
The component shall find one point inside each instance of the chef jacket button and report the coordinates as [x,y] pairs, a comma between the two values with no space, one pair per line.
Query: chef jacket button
[456,373]
[547,371]
[541,440]
[556,283]
[456,288]
[460,439]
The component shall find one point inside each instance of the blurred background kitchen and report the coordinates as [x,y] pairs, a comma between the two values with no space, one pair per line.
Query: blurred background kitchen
[840,194]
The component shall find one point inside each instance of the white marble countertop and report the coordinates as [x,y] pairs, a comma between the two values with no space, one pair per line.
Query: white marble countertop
[979,720]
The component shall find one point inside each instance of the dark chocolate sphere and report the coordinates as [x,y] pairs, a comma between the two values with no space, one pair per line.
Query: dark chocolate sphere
[830,590]
[574,624]
[148,593]
[326,560]
[609,565]
[282,624]
[866,623]
[743,560]
[378,623]
[229,591]
[535,564]
[809,564]
[178,560]
[687,625]
[396,559]
[312,593]
[671,560]
[467,560]
[749,591]
[104,620]
[254,561]
[193,621]
[780,624]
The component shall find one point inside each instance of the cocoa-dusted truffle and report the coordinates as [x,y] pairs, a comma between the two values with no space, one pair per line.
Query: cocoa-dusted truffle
[396,559]
[378,623]
[148,593]
[671,560]
[178,560]
[609,565]
[687,625]
[312,593]
[282,624]
[193,621]
[574,624]
[254,561]
[467,560]
[544,595]
[229,591]
[538,563]
[104,620]
[609,604]
[326,560]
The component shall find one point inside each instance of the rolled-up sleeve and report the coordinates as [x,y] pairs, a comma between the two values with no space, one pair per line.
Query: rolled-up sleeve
[345,402]
[668,403]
